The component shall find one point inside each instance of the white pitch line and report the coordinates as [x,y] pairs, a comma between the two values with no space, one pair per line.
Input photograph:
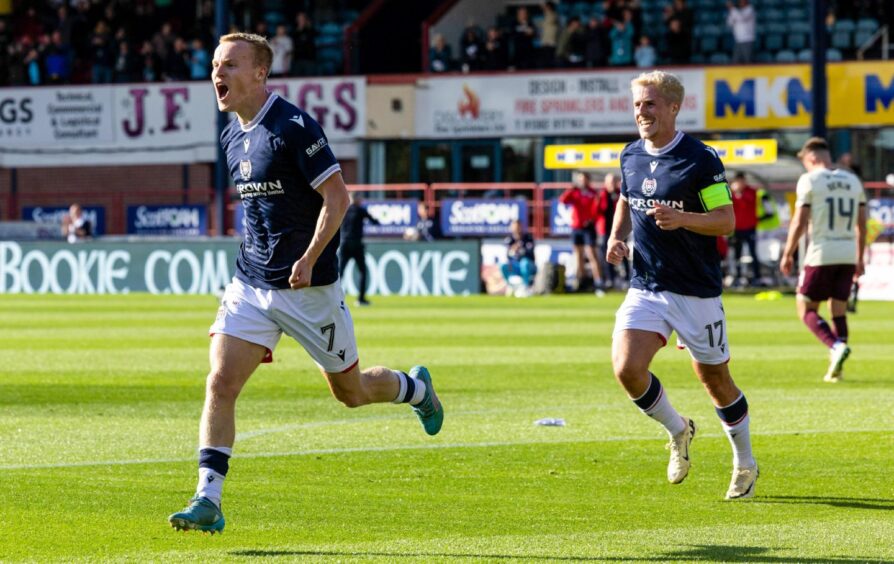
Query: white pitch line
[390,448]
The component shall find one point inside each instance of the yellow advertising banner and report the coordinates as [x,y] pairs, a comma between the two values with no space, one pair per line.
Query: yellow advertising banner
[779,96]
[739,152]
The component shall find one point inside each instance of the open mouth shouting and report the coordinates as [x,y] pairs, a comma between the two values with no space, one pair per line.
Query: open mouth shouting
[222,91]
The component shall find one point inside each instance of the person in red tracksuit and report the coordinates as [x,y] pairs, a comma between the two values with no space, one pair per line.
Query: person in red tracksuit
[581,197]
[745,208]
[606,202]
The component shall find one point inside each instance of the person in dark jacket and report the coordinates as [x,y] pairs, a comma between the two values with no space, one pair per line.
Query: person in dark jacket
[352,242]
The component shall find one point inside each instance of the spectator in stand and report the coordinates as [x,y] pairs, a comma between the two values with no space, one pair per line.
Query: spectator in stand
[64,24]
[572,45]
[606,203]
[472,46]
[126,64]
[103,53]
[683,13]
[621,37]
[304,54]
[549,35]
[742,21]
[176,66]
[597,46]
[519,261]
[523,34]
[679,43]
[745,206]
[150,63]
[199,61]
[440,55]
[645,54]
[163,41]
[282,46]
[32,67]
[496,53]
[57,60]
[582,199]
[15,69]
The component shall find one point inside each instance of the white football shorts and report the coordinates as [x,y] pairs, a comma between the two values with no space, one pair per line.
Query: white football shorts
[700,323]
[316,317]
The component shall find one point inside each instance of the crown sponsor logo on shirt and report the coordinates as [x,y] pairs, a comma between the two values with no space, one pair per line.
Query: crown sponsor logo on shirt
[245,169]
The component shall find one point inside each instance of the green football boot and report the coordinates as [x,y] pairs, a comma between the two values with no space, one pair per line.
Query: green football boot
[429,411]
[200,515]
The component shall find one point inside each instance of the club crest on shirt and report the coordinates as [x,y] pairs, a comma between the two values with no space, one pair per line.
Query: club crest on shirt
[245,143]
[649,186]
[245,169]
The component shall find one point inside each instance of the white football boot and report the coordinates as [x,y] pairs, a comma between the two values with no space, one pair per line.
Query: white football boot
[742,484]
[678,466]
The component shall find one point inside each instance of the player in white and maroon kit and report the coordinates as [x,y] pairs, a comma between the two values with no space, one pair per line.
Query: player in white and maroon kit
[286,272]
[832,204]
[675,200]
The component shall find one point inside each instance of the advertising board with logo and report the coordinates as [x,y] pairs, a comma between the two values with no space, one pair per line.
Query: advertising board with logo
[442,268]
[54,215]
[177,221]
[559,218]
[882,211]
[770,97]
[150,123]
[481,217]
[540,104]
[394,217]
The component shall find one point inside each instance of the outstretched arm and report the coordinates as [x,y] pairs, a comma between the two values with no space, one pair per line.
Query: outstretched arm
[335,204]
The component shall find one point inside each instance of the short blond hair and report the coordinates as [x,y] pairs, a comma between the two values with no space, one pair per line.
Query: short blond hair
[669,85]
[259,45]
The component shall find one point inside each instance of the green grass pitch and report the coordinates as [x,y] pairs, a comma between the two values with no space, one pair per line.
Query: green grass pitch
[100,398]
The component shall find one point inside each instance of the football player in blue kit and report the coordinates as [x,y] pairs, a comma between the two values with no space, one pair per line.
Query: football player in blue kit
[675,201]
[286,272]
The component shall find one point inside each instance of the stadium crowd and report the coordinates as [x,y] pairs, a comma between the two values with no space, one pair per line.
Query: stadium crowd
[93,41]
[645,33]
[89,41]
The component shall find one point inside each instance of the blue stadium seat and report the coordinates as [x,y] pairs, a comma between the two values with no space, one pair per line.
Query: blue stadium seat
[771,15]
[798,41]
[708,44]
[719,59]
[833,55]
[773,42]
[786,56]
[842,40]
[805,55]
[844,25]
[764,57]
[796,14]
[867,24]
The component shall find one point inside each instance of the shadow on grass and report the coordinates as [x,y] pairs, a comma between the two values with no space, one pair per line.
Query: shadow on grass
[844,502]
[693,553]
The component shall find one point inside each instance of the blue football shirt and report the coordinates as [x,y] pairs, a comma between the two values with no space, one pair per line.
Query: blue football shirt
[277,161]
[686,175]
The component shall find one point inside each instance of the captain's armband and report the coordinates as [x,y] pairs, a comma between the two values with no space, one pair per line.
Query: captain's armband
[715,195]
